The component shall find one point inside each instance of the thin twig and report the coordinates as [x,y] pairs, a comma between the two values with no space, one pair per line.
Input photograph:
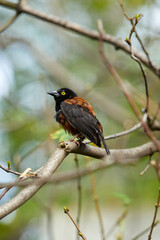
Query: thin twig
[66,210]
[145,231]
[117,78]
[147,167]
[124,11]
[155,215]
[10,171]
[39,145]
[143,47]
[128,40]
[156,114]
[6,25]
[12,19]
[79,187]
[24,175]
[47,208]
[156,165]
[112,70]
[131,19]
[5,191]
[96,201]
[74,27]
[118,221]
[137,19]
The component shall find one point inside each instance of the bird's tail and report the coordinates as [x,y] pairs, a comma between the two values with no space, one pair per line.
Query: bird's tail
[104,143]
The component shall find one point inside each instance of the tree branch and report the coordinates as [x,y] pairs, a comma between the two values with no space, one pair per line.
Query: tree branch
[77,28]
[3,28]
[124,156]
[117,78]
[42,177]
[118,156]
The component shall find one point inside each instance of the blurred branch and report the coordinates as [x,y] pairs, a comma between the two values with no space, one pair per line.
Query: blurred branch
[117,78]
[154,125]
[147,167]
[11,20]
[64,77]
[77,28]
[118,221]
[6,25]
[128,40]
[145,231]
[79,188]
[112,70]
[9,4]
[155,215]
[156,165]
[96,200]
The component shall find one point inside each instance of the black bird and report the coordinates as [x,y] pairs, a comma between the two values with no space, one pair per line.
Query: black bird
[77,117]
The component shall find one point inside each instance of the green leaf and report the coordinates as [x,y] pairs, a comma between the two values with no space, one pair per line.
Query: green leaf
[125,199]
[9,165]
[60,135]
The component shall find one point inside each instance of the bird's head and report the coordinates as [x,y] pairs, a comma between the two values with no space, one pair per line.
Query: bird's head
[61,95]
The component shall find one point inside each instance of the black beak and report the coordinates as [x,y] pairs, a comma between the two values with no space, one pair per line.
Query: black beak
[53,93]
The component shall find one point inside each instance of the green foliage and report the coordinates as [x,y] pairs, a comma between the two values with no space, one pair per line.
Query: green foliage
[123,197]
[60,135]
[9,165]
[97,5]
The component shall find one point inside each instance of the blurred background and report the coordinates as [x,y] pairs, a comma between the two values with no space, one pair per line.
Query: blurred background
[36,57]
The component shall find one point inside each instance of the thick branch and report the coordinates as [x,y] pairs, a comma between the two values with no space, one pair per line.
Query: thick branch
[123,156]
[77,28]
[42,177]
[120,156]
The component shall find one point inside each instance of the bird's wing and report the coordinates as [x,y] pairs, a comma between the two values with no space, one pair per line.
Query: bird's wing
[81,116]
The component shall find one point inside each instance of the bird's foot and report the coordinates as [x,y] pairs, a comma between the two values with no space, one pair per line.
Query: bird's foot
[75,136]
[79,141]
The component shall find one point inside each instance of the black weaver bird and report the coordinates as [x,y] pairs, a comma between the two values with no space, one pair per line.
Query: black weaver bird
[77,117]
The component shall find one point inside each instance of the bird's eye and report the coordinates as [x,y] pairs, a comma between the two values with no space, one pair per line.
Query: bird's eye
[63,93]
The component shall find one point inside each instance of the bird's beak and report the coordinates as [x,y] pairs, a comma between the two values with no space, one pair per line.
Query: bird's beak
[53,93]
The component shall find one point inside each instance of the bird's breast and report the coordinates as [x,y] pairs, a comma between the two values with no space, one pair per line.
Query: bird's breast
[60,118]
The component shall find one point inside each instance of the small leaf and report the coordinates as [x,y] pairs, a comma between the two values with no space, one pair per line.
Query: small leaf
[125,199]
[9,165]
[60,135]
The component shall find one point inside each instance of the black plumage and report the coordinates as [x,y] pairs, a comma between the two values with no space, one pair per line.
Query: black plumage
[77,116]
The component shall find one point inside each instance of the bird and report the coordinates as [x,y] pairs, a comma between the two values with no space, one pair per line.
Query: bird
[77,117]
